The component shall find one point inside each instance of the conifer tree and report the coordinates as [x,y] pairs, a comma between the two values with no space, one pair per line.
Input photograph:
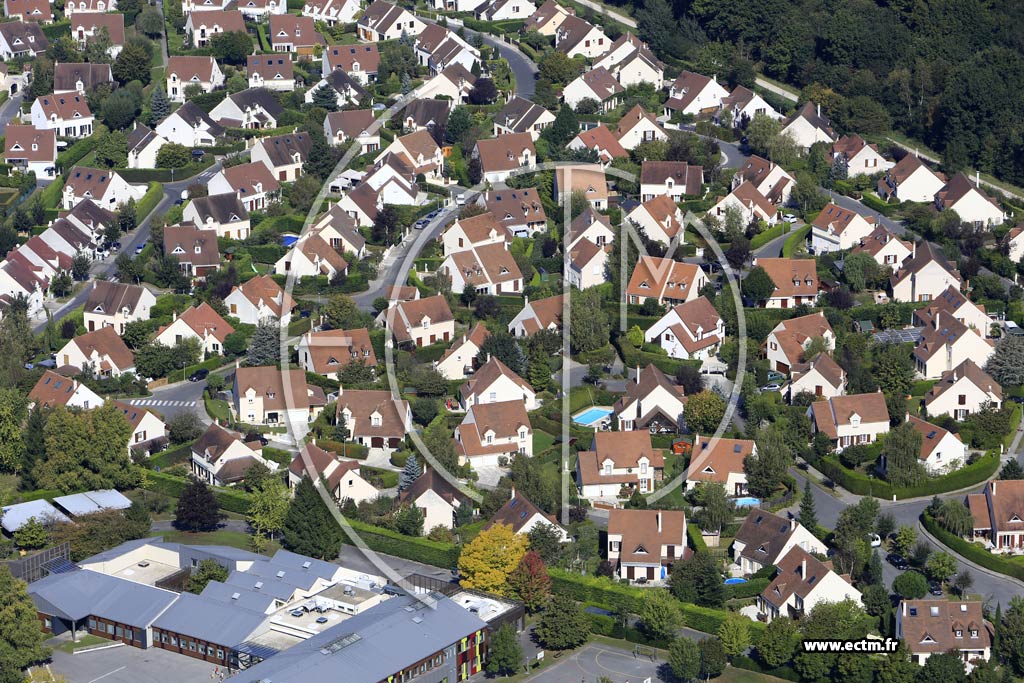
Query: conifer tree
[410,473]
[197,508]
[159,105]
[309,528]
[808,515]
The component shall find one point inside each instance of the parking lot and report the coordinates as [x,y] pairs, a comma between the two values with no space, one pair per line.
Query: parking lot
[130,665]
[597,660]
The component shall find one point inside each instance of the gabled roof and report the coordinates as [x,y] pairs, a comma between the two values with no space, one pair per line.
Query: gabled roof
[957,188]
[663,210]
[811,113]
[345,57]
[268,383]
[381,16]
[195,118]
[907,166]
[513,206]
[109,298]
[245,177]
[659,278]
[479,228]
[546,312]
[517,512]
[603,141]
[66,107]
[30,143]
[633,118]
[690,85]
[214,442]
[624,449]
[188,243]
[792,277]
[799,574]
[106,343]
[191,68]
[425,113]
[924,254]
[649,379]
[764,535]
[931,435]
[141,137]
[793,334]
[227,20]
[715,459]
[931,625]
[264,290]
[430,480]
[876,241]
[600,81]
[298,31]
[352,122]
[519,115]
[205,321]
[823,364]
[504,419]
[332,350]
[970,371]
[29,10]
[84,593]
[261,98]
[489,373]
[24,36]
[643,533]
[572,32]
[684,175]
[53,390]
[835,218]
[838,411]
[270,67]
[503,153]
[283,149]
[67,75]
[224,208]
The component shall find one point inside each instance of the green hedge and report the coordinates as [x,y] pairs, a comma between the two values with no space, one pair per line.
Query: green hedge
[444,555]
[164,175]
[149,201]
[795,240]
[696,539]
[352,450]
[859,483]
[169,485]
[266,253]
[172,456]
[878,204]
[39,494]
[768,235]
[51,195]
[750,589]
[604,625]
[78,149]
[971,551]
[57,29]
[783,672]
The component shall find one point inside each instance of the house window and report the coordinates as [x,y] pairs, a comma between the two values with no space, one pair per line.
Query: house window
[608,468]
[490,438]
[959,633]
[962,400]
[643,468]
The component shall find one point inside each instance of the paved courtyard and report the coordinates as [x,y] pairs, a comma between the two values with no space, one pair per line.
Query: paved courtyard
[597,660]
[130,665]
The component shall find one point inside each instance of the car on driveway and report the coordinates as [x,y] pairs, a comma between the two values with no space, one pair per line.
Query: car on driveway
[775,376]
[774,386]
[789,218]
[897,561]
[139,248]
[935,589]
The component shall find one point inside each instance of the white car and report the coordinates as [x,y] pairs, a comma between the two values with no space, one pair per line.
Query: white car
[790,218]
[876,541]
[774,386]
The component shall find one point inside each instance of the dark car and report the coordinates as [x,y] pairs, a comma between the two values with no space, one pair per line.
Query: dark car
[199,375]
[935,589]
[897,561]
[1016,399]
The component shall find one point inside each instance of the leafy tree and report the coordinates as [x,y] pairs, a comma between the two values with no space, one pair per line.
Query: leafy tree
[184,427]
[546,540]
[21,639]
[530,582]
[309,528]
[97,48]
[112,150]
[716,508]
[778,642]
[941,566]
[31,535]
[1006,364]
[955,517]
[86,449]
[904,540]
[876,599]
[808,513]
[268,507]
[173,155]
[506,655]
[42,77]
[704,412]
[207,571]
[150,22]
[698,580]
[734,634]
[385,226]
[13,411]
[504,347]
[962,582]
[767,470]
[684,659]
[231,47]
[660,614]
[896,667]
[410,473]
[557,67]
[942,667]
[712,658]
[901,450]
[120,109]
[33,447]
[873,570]
[487,560]
[409,520]
[1011,470]
[563,129]
[757,285]
[197,508]
[132,64]
[342,313]
[80,266]
[860,270]
[562,625]
[893,370]
[265,345]
[127,218]
[885,525]
[589,323]
[483,92]
[910,585]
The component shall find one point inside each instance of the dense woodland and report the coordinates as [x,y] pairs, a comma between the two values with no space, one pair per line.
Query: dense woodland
[947,72]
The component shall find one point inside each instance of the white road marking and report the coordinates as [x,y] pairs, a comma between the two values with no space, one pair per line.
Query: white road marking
[111,673]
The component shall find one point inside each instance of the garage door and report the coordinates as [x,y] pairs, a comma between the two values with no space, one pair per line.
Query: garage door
[377,442]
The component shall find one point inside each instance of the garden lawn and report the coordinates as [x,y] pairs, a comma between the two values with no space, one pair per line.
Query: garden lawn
[84,641]
[234,539]
[734,675]
[542,441]
[217,408]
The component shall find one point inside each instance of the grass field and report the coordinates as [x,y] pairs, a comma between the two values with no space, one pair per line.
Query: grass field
[87,640]
[234,539]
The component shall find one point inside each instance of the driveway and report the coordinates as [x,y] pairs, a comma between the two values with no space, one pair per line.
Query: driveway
[130,665]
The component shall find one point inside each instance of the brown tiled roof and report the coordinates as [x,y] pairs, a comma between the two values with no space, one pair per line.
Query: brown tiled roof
[850,145]
[188,67]
[764,535]
[547,311]
[663,210]
[792,277]
[714,459]
[315,246]
[503,152]
[602,84]
[516,512]
[297,30]
[837,218]
[977,503]
[699,313]
[503,418]
[88,182]
[134,414]
[66,75]
[544,14]
[108,297]
[691,84]
[663,277]
[411,313]
[245,177]
[344,57]
[641,539]
[958,188]
[879,237]
[352,122]
[363,403]
[107,343]
[270,67]
[972,372]
[320,459]
[487,374]
[931,435]
[748,196]
[204,321]
[794,333]
[29,10]
[649,379]
[26,142]
[906,167]
[626,448]
[511,206]
[582,222]
[486,264]
[53,390]
[24,34]
[519,115]
[571,32]
[811,113]
[603,141]
[269,384]
[586,178]
[1006,503]
[478,228]
[738,98]
[632,118]
[94,21]
[684,175]
[924,253]
[431,480]
[938,332]
[223,208]
[281,149]
[332,350]
[214,441]
[837,411]
[229,21]
[824,365]
[931,626]
[799,573]
[476,336]
[264,289]
[188,237]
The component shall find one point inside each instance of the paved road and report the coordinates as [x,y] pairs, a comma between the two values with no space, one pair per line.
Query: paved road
[172,192]
[130,665]
[173,399]
[10,109]
[522,66]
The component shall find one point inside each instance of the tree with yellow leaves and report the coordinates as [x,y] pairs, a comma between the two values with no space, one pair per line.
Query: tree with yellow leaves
[487,561]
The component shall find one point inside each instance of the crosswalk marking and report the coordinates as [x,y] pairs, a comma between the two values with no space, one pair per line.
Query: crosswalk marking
[161,404]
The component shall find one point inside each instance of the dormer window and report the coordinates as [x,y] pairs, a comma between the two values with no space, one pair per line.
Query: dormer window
[607,468]
[959,633]
[974,633]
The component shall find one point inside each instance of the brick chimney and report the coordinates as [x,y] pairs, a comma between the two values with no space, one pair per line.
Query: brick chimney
[658,514]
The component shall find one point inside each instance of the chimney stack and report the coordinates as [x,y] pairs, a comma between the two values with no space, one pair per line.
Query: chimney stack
[803,569]
[977,178]
[659,521]
[819,110]
[792,523]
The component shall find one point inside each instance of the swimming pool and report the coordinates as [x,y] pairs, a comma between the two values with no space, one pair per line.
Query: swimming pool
[592,416]
[747,502]
[734,580]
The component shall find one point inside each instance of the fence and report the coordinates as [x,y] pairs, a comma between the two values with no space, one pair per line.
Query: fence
[33,567]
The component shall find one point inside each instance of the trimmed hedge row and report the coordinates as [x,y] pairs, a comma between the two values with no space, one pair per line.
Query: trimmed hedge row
[768,235]
[784,672]
[604,625]
[696,538]
[352,450]
[858,483]
[750,589]
[149,201]
[77,150]
[971,551]
[444,555]
[164,175]
[169,485]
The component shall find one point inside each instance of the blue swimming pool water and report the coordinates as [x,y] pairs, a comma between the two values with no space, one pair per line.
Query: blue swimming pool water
[747,502]
[734,580]
[592,415]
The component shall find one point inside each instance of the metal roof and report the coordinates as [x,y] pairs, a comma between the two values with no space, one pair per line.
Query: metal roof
[210,620]
[372,645]
[911,334]
[93,501]
[78,594]
[237,595]
[15,516]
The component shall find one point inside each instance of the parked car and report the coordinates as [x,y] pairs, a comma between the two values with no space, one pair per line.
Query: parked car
[789,218]
[773,386]
[139,248]
[199,375]
[876,541]
[935,589]
[775,376]
[897,561]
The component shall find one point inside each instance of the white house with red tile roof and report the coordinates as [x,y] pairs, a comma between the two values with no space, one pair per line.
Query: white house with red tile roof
[644,544]
[420,322]
[344,478]
[973,206]
[384,21]
[475,231]
[856,419]
[588,265]
[690,331]
[252,182]
[963,390]
[547,18]
[257,299]
[495,382]
[374,418]
[632,62]
[87,26]
[602,142]
[675,179]
[946,342]
[273,72]
[598,85]
[743,104]
[312,256]
[457,361]
[803,582]
[103,350]
[771,180]
[201,323]
[115,304]
[860,157]
[820,377]
[29,10]
[929,627]
[487,269]
[68,115]
[796,281]
[910,180]
[942,451]
[501,156]
[30,149]
[494,432]
[692,94]
[537,315]
[290,33]
[924,275]
[660,218]
[839,229]
[56,390]
[809,126]
[183,71]
[203,26]
[752,205]
[619,462]
[221,456]
[576,36]
[785,345]
[328,352]
[331,12]
[651,401]
[149,433]
[885,247]
[720,461]
[669,282]
[637,126]
[103,186]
